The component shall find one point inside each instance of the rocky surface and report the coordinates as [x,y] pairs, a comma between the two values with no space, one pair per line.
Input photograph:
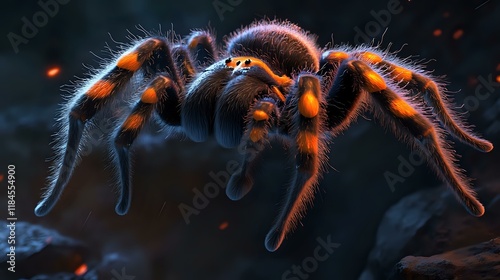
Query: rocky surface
[480,261]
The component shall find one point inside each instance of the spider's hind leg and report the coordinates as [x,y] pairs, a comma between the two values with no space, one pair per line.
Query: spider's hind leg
[434,98]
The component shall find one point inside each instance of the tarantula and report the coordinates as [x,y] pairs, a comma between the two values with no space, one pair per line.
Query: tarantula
[271,80]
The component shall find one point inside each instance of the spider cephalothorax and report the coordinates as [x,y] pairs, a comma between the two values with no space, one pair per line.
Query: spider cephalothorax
[271,80]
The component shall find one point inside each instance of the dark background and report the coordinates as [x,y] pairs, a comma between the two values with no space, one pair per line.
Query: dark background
[153,241]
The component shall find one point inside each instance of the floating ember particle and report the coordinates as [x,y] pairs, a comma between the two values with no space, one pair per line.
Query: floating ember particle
[82,269]
[437,32]
[223,225]
[54,71]
[498,78]
[458,33]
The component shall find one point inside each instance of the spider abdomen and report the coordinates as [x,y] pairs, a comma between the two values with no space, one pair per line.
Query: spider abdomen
[287,48]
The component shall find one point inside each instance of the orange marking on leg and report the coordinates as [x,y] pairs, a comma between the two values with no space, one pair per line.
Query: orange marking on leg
[129,61]
[374,82]
[149,96]
[308,105]
[370,57]
[307,142]
[337,56]
[133,122]
[402,73]
[278,93]
[260,115]
[100,89]
[257,133]
[402,109]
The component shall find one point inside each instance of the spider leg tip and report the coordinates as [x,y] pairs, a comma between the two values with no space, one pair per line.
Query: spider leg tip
[238,186]
[273,240]
[41,209]
[122,208]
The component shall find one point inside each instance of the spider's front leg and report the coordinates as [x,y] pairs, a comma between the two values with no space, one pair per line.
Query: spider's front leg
[162,95]
[306,111]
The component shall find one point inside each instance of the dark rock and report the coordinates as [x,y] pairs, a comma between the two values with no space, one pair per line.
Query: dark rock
[426,223]
[481,261]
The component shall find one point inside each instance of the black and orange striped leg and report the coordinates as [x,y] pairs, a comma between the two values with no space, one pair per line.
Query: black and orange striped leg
[404,119]
[434,98]
[160,95]
[152,55]
[201,45]
[449,119]
[309,150]
[253,143]
[421,133]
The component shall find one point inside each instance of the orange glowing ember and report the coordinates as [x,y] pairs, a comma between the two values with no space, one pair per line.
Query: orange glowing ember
[52,72]
[223,225]
[458,33]
[437,32]
[497,79]
[82,269]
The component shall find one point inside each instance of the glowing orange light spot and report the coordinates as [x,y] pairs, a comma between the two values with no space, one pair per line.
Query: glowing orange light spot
[223,225]
[457,34]
[437,32]
[497,79]
[82,269]
[52,72]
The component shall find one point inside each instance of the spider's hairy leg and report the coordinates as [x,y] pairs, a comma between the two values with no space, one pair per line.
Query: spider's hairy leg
[253,143]
[309,152]
[184,63]
[344,99]
[201,45]
[435,98]
[405,120]
[92,99]
[162,95]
